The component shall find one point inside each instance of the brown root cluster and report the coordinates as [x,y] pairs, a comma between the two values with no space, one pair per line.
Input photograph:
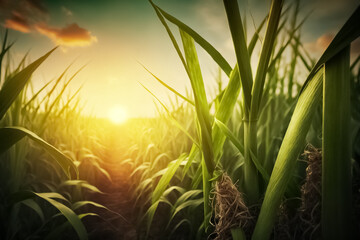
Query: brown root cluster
[304,222]
[230,209]
[310,210]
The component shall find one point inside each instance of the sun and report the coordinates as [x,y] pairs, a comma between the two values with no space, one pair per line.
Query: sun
[117,114]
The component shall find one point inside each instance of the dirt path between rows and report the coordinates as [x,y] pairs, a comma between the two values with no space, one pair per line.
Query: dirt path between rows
[122,223]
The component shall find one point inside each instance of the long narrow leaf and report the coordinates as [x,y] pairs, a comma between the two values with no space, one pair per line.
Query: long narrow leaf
[242,54]
[69,214]
[13,86]
[293,143]
[215,54]
[10,135]
[336,220]
[166,178]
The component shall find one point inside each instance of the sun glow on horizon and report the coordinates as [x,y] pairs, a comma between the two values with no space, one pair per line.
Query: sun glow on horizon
[117,114]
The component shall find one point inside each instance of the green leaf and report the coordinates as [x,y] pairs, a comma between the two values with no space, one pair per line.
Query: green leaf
[174,120]
[69,214]
[166,178]
[151,211]
[10,135]
[35,206]
[82,184]
[171,35]
[242,54]
[240,147]
[225,111]
[215,54]
[193,203]
[255,37]
[37,94]
[194,153]
[336,150]
[168,87]
[12,87]
[201,105]
[291,147]
[230,135]
[266,51]
[80,204]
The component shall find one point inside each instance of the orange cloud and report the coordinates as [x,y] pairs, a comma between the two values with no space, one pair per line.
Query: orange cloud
[324,40]
[32,15]
[317,47]
[320,44]
[71,35]
[18,23]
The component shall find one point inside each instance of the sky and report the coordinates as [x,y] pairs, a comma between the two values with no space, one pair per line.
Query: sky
[114,38]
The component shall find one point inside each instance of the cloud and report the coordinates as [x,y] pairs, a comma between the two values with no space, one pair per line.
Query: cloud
[32,16]
[66,11]
[71,35]
[215,27]
[208,10]
[18,23]
[36,4]
[317,47]
[331,8]
[324,40]
[29,11]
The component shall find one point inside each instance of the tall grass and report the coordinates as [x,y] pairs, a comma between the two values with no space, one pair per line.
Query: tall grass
[53,159]
[43,179]
[267,142]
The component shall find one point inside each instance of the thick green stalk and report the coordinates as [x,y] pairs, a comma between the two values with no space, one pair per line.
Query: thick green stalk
[250,134]
[242,55]
[266,51]
[251,182]
[243,59]
[336,169]
[290,149]
[206,195]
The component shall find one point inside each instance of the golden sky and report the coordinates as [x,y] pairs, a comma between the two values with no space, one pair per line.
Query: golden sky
[113,37]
